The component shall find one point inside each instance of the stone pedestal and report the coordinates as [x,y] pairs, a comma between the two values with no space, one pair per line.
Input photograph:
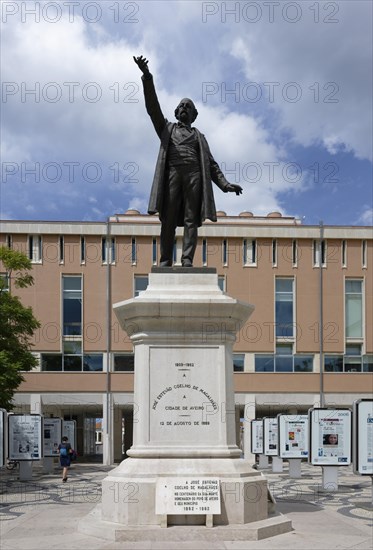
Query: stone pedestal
[183,328]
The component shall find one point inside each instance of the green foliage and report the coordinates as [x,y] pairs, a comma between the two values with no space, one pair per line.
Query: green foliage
[17,325]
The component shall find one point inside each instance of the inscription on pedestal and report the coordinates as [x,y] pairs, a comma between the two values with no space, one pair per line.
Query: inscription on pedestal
[188,496]
[184,402]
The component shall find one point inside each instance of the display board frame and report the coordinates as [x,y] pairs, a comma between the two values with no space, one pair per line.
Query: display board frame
[25,433]
[270,436]
[330,436]
[69,430]
[362,436]
[51,443]
[3,437]
[298,445]
[256,439]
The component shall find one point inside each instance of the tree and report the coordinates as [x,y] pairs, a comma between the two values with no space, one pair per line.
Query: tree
[17,325]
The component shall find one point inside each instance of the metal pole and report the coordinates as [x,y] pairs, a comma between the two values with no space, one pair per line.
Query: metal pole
[321,329]
[108,345]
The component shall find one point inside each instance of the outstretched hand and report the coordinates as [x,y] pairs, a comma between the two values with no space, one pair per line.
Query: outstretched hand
[142,63]
[234,188]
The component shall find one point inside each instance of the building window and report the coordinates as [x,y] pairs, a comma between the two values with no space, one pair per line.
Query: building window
[284,308]
[140,284]
[294,253]
[319,252]
[364,253]
[221,282]
[4,282]
[333,363]
[354,308]
[344,253]
[284,358]
[352,358]
[274,253]
[35,248]
[71,360]
[62,249]
[154,251]
[283,361]
[238,362]
[72,355]
[124,362]
[108,250]
[368,363]
[133,251]
[204,252]
[8,241]
[249,252]
[82,250]
[225,252]
[72,305]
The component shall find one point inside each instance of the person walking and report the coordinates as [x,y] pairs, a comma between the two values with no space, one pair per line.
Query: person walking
[65,451]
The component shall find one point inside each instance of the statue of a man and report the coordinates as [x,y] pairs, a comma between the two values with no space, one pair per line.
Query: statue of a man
[181,193]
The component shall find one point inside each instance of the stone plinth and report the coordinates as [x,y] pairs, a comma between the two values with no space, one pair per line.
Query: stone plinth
[183,328]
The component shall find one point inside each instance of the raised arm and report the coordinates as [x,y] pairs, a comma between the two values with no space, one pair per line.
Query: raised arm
[151,101]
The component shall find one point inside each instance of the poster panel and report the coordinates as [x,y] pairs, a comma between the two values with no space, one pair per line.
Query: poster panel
[3,424]
[363,437]
[270,436]
[25,436]
[52,436]
[257,436]
[330,437]
[293,435]
[69,430]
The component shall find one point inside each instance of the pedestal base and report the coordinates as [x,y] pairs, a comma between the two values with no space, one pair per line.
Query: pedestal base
[129,491]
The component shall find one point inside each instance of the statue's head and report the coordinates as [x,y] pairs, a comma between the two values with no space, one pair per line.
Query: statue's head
[186,111]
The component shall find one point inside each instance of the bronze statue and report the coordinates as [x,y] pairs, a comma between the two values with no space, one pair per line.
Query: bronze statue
[181,193]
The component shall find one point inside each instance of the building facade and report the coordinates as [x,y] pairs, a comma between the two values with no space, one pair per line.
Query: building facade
[308,342]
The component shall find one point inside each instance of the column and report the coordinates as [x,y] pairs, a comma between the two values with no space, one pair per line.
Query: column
[107,429]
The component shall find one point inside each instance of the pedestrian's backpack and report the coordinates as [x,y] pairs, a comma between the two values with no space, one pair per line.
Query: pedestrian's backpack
[63,451]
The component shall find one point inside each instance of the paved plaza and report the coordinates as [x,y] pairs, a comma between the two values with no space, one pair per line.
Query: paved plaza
[44,513]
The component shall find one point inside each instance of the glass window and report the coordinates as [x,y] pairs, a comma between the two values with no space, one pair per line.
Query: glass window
[303,363]
[284,308]
[51,362]
[368,363]
[140,284]
[225,252]
[154,251]
[133,251]
[4,282]
[72,363]
[284,358]
[274,252]
[294,253]
[264,363]
[62,248]
[352,358]
[249,252]
[92,362]
[35,248]
[238,362]
[72,305]
[204,252]
[221,282]
[124,363]
[344,253]
[108,248]
[364,253]
[354,308]
[319,248]
[333,363]
[82,250]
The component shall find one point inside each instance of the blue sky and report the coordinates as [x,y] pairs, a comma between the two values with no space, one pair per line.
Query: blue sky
[283,90]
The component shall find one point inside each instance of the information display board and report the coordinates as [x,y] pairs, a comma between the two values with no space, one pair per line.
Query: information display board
[293,436]
[69,430]
[270,436]
[330,437]
[3,424]
[256,436]
[188,496]
[25,436]
[52,436]
[363,437]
